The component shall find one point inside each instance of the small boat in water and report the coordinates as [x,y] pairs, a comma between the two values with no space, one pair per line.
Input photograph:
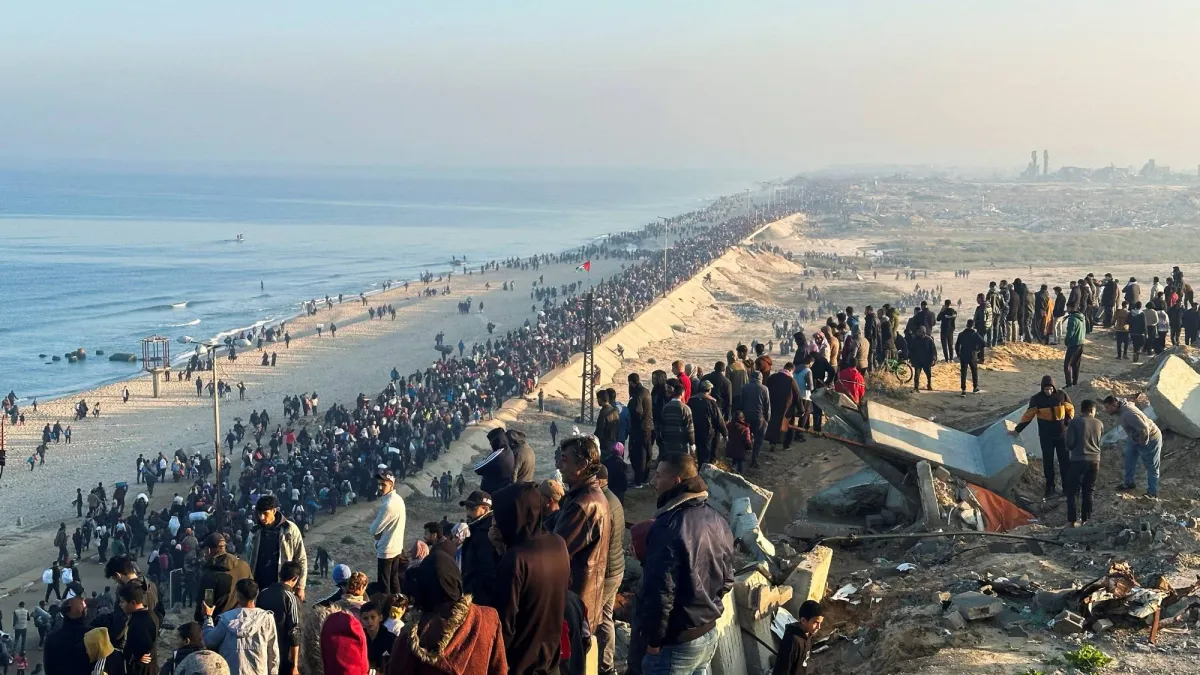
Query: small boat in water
[240,238]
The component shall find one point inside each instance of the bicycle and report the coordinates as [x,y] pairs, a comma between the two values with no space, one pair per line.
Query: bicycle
[898,369]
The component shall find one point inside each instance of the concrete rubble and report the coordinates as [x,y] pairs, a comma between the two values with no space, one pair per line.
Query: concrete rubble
[976,606]
[1175,394]
[725,487]
[770,586]
[993,459]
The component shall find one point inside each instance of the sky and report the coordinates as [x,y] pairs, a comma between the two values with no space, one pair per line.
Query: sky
[757,84]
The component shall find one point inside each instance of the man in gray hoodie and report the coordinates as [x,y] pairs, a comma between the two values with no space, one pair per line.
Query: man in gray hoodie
[245,635]
[756,404]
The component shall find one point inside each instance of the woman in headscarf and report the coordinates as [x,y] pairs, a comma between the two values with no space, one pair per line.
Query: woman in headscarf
[420,550]
[454,636]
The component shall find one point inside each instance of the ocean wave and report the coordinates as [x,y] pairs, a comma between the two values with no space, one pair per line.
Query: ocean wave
[193,322]
[179,305]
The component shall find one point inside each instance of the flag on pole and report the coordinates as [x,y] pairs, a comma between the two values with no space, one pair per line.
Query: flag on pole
[585,267]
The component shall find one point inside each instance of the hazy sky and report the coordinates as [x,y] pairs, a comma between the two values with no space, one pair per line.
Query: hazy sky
[763,84]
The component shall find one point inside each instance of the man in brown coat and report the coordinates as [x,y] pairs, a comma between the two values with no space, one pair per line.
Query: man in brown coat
[785,397]
[584,523]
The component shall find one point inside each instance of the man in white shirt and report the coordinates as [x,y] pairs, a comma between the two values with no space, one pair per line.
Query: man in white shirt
[388,530]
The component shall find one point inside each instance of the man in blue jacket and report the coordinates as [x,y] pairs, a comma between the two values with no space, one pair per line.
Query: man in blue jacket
[687,573]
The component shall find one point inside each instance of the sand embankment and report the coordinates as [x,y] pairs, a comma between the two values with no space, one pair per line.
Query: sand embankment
[657,322]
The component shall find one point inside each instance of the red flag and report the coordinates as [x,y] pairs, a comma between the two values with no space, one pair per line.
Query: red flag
[585,267]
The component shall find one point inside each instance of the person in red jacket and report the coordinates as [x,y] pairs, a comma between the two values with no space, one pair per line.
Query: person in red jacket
[850,382]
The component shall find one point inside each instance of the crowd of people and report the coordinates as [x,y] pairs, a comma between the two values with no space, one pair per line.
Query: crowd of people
[193,550]
[233,547]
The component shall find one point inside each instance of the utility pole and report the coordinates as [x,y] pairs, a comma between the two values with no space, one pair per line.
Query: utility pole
[587,411]
[220,506]
[3,419]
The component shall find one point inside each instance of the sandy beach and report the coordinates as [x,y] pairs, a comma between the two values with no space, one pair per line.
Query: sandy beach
[105,449]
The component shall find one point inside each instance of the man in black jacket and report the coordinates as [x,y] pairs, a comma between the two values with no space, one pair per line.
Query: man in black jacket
[479,556]
[281,601]
[969,347]
[218,575]
[65,652]
[531,581]
[707,422]
[687,573]
[122,570]
[923,353]
[641,428]
[946,319]
[608,422]
[1108,299]
[722,389]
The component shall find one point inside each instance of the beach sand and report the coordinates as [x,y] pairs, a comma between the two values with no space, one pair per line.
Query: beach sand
[104,449]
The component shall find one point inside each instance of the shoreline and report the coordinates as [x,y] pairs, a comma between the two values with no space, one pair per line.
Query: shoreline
[188,419]
[104,448]
[296,310]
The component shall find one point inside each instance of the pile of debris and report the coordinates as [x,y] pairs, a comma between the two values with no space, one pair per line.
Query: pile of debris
[918,475]
[772,580]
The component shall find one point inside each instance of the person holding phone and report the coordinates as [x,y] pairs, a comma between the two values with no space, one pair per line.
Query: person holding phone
[218,576]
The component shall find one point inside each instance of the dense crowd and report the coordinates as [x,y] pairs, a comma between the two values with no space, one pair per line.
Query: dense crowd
[340,456]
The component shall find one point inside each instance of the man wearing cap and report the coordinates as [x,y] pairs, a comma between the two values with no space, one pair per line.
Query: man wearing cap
[707,421]
[341,577]
[388,531]
[276,541]
[479,555]
[218,575]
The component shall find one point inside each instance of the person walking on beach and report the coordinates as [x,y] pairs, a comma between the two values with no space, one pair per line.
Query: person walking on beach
[332,329]
[60,540]
[125,395]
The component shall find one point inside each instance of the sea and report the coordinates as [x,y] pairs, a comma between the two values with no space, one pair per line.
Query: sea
[99,258]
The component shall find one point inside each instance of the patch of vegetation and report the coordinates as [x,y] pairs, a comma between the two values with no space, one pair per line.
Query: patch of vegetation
[349,541]
[1088,659]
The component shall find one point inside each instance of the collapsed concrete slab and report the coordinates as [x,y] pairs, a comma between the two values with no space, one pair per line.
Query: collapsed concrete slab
[730,658]
[725,487]
[1175,394]
[931,511]
[809,578]
[993,459]
[862,492]
[755,656]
